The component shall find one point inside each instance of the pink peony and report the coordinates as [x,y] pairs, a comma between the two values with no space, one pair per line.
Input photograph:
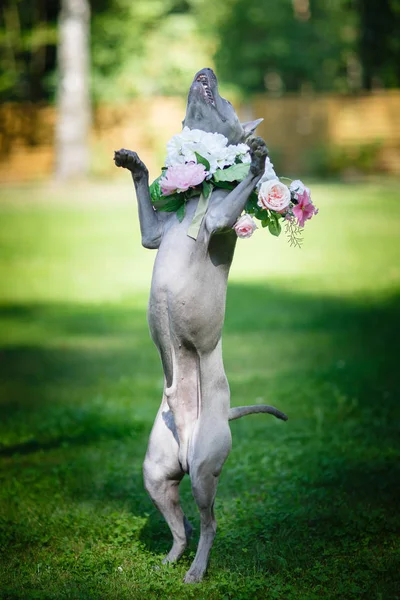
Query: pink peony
[245,226]
[180,178]
[273,195]
[305,209]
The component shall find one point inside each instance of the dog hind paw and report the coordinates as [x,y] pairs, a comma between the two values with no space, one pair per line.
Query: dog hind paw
[193,576]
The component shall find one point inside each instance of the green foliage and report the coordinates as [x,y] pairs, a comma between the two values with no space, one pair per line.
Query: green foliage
[151,47]
[336,160]
[281,45]
[202,161]
[28,37]
[306,509]
[379,46]
[155,189]
[170,203]
[145,48]
[225,185]
[207,188]
[180,213]
[274,225]
[265,222]
[236,172]
[262,214]
[137,48]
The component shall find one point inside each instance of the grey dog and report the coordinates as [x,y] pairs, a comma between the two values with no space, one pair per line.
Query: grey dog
[186,312]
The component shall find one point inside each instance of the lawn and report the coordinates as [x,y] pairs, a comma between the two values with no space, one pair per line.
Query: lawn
[306,509]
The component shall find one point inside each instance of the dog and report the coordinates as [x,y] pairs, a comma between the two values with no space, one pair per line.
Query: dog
[191,433]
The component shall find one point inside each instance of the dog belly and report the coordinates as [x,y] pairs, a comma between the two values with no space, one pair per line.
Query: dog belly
[186,314]
[187,301]
[180,314]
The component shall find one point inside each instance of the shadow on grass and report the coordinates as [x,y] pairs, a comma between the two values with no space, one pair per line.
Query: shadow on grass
[91,429]
[84,387]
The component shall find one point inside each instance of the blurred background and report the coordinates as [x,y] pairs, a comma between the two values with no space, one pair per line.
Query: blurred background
[324,74]
[306,509]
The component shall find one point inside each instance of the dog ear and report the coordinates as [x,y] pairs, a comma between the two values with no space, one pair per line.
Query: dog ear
[250,126]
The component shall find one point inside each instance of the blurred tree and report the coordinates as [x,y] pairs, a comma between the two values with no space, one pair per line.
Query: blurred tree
[73,104]
[380,42]
[143,48]
[284,45]
[28,36]
[154,46]
[137,47]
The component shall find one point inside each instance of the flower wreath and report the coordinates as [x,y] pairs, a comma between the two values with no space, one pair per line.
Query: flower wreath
[198,161]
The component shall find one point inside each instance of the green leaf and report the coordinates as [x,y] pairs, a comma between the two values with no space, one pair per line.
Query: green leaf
[207,188]
[192,192]
[265,222]
[274,226]
[180,213]
[259,213]
[155,190]
[202,161]
[233,173]
[169,203]
[253,197]
[251,204]
[227,185]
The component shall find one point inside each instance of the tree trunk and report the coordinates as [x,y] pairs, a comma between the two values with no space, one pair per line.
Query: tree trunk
[73,102]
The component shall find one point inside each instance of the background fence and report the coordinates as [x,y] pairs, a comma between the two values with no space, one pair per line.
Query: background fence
[323,135]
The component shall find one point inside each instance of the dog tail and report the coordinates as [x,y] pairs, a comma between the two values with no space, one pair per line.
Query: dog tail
[241,411]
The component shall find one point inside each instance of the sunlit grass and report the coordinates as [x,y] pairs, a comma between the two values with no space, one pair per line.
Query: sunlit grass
[306,509]
[85,245]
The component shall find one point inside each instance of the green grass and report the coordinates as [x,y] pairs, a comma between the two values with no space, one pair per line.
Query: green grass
[306,509]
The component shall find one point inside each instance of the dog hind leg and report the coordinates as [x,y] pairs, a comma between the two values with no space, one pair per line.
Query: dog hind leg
[162,476]
[204,490]
[210,445]
[205,468]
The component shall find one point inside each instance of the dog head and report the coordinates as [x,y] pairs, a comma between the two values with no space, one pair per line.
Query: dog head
[208,111]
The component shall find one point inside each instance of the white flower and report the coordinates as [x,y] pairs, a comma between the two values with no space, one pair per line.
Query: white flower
[242,149]
[212,146]
[298,187]
[243,153]
[178,151]
[175,154]
[269,173]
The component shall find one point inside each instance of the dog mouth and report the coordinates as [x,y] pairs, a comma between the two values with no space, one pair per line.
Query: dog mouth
[205,86]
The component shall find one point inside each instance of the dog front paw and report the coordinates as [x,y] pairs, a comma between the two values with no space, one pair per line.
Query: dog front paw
[259,152]
[130,160]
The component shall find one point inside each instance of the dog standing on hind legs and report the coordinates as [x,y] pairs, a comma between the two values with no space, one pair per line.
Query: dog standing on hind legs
[191,433]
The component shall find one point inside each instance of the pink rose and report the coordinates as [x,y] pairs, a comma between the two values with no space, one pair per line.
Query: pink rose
[273,195]
[180,178]
[305,209]
[245,226]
